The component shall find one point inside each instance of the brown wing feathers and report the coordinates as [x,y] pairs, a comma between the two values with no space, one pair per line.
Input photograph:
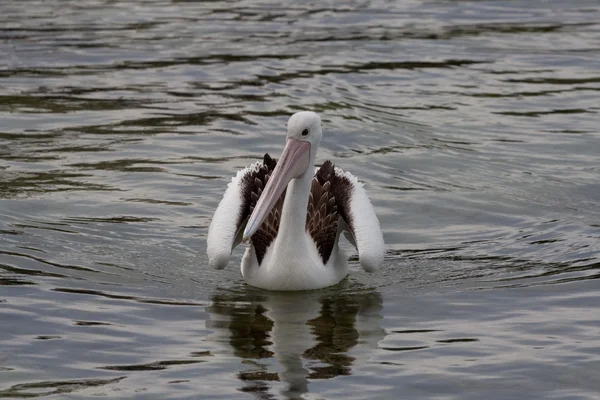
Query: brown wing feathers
[328,200]
[249,186]
[252,187]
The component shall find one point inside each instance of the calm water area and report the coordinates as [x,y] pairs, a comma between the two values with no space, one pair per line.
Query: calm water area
[474,126]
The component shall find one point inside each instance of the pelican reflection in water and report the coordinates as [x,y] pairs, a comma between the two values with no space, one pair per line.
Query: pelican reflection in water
[309,334]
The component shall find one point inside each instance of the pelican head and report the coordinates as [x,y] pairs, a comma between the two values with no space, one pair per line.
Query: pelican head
[305,126]
[302,142]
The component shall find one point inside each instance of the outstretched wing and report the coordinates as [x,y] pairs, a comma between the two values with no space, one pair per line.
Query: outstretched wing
[227,225]
[337,194]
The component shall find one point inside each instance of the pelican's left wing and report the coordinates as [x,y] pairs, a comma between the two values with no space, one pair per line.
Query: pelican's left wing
[356,211]
[227,225]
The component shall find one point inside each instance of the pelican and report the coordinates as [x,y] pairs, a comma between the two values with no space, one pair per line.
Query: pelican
[293,215]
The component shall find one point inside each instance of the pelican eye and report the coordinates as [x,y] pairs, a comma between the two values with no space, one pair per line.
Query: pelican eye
[305,132]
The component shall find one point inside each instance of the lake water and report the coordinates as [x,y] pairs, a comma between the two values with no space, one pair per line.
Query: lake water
[473,124]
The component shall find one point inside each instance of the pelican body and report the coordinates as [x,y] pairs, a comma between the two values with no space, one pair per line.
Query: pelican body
[292,215]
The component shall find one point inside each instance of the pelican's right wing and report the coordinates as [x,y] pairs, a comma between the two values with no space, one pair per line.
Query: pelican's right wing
[227,225]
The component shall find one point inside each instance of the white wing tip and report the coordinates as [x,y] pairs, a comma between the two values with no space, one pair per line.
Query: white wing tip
[218,261]
[371,262]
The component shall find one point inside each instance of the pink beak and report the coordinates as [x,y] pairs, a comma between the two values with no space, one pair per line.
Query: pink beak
[293,163]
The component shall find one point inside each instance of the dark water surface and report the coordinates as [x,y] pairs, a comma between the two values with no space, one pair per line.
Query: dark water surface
[473,124]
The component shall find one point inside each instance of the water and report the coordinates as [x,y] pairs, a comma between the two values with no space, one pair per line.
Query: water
[474,126]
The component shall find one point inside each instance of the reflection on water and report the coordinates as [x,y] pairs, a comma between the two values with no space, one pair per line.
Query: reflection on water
[309,335]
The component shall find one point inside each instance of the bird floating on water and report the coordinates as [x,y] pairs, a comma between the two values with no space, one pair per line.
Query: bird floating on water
[293,217]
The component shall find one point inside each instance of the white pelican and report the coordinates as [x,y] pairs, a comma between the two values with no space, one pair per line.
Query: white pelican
[293,217]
